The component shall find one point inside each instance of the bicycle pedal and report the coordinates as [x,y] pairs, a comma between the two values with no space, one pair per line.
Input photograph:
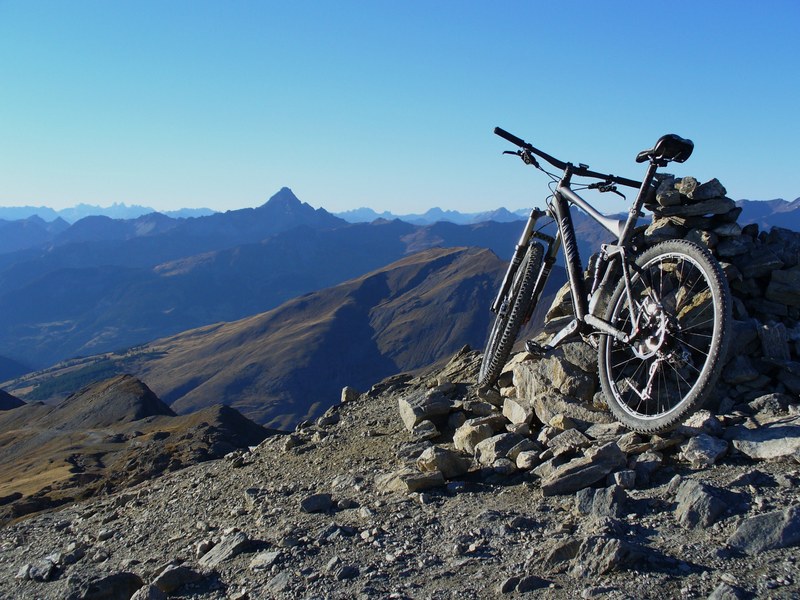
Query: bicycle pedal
[535,348]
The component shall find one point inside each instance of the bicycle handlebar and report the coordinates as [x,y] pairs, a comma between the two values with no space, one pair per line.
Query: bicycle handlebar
[560,164]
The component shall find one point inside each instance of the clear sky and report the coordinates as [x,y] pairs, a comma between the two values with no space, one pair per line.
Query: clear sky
[386,104]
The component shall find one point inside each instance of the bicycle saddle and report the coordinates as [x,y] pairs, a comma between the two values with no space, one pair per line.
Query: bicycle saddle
[668,147]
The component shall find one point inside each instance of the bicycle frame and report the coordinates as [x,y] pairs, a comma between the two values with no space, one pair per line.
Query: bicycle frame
[558,209]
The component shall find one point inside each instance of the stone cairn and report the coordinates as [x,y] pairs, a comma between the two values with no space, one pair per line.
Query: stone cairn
[549,422]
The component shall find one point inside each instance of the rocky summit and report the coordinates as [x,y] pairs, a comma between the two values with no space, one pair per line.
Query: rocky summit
[425,487]
[418,488]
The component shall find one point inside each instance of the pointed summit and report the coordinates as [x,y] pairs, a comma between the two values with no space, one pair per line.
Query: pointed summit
[284,198]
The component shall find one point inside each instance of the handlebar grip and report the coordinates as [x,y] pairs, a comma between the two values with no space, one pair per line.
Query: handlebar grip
[510,137]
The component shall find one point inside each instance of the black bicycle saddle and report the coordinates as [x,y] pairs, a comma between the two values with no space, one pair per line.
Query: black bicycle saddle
[669,147]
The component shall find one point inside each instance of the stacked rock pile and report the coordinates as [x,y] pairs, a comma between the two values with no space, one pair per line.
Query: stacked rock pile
[549,422]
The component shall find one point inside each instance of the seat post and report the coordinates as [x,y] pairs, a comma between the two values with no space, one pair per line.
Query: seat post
[636,207]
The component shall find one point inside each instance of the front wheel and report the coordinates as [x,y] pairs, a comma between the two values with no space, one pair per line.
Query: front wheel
[516,306]
[678,316]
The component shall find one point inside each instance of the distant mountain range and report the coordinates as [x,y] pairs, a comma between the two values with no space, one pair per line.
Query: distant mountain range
[81,211]
[434,215]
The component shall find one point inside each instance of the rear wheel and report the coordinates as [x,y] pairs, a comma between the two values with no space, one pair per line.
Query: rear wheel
[516,306]
[679,325]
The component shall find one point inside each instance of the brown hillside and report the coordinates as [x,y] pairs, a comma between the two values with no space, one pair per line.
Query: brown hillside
[107,436]
[290,363]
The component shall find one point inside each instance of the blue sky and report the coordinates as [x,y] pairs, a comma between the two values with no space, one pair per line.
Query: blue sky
[385,104]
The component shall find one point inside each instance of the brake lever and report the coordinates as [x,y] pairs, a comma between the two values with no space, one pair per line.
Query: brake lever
[525,155]
[606,186]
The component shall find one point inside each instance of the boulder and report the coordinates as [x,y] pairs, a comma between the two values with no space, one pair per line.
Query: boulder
[779,439]
[776,529]
[499,446]
[699,505]
[584,471]
[450,464]
[474,431]
[421,406]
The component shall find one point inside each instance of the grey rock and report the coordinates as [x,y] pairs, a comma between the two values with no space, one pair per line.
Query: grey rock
[645,465]
[41,570]
[530,583]
[331,417]
[607,502]
[776,529]
[774,341]
[424,430]
[409,480]
[725,591]
[474,431]
[349,394]
[784,287]
[533,383]
[568,442]
[771,404]
[264,560]
[599,555]
[731,247]
[149,592]
[626,479]
[702,421]
[316,503]
[173,577]
[451,464]
[527,460]
[116,586]
[759,263]
[699,505]
[686,186]
[584,471]
[410,452]
[280,583]
[496,447]
[704,450]
[709,189]
[347,572]
[776,440]
[516,411]
[712,206]
[230,546]
[420,406]
[739,370]
[508,585]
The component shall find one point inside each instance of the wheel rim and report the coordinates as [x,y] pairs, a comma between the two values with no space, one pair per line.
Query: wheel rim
[677,313]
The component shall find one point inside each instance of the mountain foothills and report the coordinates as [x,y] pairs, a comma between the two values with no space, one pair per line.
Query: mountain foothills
[107,436]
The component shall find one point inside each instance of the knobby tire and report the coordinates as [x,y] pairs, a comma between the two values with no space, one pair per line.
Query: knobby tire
[515,308]
[670,367]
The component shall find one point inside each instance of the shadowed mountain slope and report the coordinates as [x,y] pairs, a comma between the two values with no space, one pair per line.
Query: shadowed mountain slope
[7,401]
[68,311]
[290,363]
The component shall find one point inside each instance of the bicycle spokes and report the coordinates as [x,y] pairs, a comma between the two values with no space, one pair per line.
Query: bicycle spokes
[671,319]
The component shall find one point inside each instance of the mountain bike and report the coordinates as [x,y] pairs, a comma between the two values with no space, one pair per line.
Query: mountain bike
[659,317]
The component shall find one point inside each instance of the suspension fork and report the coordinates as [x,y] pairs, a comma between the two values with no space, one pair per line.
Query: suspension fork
[519,253]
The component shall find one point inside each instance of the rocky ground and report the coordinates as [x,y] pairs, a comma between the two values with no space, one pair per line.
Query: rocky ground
[353,506]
